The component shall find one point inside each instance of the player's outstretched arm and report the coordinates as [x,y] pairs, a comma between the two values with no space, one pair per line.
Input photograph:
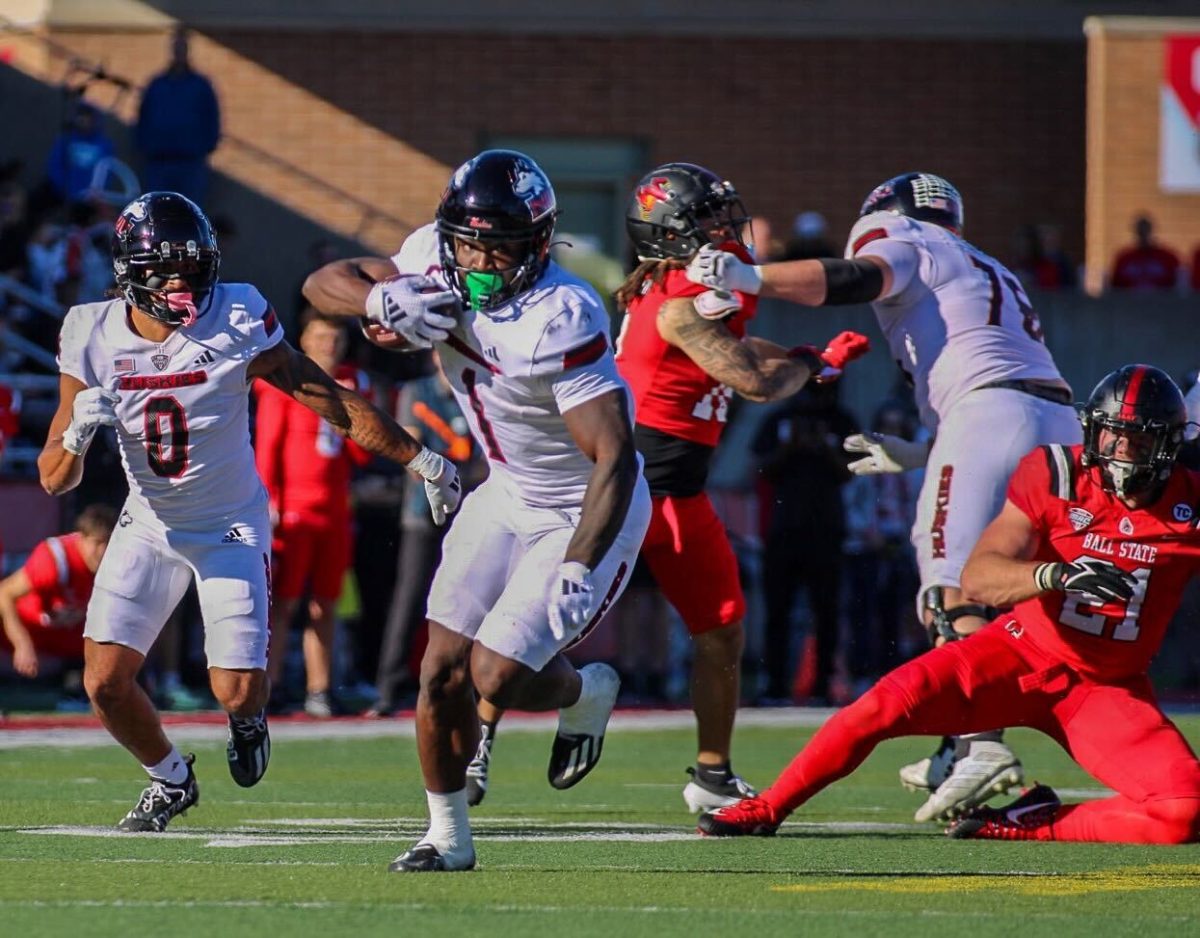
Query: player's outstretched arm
[299,376]
[340,288]
[809,282]
[303,379]
[752,369]
[60,468]
[1000,571]
[603,431]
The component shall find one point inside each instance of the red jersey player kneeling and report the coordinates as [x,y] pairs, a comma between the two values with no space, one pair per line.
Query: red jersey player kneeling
[1092,550]
[42,605]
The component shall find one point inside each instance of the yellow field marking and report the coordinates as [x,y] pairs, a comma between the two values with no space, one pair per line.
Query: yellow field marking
[1124,879]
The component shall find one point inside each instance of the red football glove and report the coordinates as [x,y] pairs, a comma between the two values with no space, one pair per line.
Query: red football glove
[827,365]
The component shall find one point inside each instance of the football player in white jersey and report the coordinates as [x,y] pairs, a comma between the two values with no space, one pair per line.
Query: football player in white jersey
[960,326]
[544,547]
[168,364]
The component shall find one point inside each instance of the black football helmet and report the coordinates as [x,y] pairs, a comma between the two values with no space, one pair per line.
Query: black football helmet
[501,197]
[922,196]
[1138,399]
[157,237]
[676,207]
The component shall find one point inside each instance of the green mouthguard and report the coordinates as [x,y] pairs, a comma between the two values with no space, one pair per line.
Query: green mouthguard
[482,286]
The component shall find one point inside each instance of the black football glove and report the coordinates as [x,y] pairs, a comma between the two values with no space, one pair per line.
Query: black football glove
[1089,575]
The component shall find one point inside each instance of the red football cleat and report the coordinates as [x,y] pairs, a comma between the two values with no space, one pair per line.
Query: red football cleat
[1035,808]
[752,817]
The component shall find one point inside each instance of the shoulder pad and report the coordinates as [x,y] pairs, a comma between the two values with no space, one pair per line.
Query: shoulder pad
[880,225]
[419,252]
[576,334]
[1060,462]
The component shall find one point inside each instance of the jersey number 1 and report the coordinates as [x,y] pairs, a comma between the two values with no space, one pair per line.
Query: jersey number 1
[166,437]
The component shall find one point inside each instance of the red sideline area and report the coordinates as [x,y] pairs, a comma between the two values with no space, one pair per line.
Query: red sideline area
[68,721]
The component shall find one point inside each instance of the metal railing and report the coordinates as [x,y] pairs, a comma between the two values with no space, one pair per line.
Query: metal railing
[30,297]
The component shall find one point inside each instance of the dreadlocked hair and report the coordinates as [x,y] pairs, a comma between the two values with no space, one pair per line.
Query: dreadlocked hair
[649,273]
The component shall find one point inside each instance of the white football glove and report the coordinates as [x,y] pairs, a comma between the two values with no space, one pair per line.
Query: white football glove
[712,267]
[416,308]
[442,485]
[884,453]
[93,408]
[716,304]
[572,599]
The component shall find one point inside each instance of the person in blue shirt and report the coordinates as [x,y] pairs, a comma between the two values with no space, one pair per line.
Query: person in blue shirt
[179,125]
[76,151]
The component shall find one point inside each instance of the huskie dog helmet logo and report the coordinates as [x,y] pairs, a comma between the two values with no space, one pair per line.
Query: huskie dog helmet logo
[530,187]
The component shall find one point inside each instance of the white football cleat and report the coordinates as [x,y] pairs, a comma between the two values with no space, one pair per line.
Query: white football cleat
[928,774]
[989,768]
[581,726]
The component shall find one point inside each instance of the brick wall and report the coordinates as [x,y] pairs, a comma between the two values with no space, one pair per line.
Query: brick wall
[1125,73]
[797,124]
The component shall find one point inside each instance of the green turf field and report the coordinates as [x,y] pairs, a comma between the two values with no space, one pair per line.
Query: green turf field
[306,852]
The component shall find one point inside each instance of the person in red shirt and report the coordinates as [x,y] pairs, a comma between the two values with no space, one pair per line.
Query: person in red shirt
[42,605]
[305,465]
[684,352]
[1092,551]
[1145,265]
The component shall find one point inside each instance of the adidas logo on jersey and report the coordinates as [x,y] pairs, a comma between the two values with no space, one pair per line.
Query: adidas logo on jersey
[234,535]
[204,358]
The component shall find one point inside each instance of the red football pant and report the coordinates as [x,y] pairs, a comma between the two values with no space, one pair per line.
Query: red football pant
[311,553]
[995,679]
[688,551]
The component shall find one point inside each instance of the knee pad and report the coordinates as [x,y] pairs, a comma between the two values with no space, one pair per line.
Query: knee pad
[941,620]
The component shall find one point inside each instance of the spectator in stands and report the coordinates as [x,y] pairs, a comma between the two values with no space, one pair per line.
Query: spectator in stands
[810,238]
[880,564]
[1146,265]
[15,229]
[42,605]
[305,465]
[427,410]
[76,151]
[767,247]
[1041,263]
[178,126]
[801,459]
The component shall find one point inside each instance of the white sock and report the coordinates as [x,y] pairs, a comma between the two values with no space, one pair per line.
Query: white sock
[449,829]
[172,769]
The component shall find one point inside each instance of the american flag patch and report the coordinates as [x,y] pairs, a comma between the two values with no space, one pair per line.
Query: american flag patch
[122,366]
[270,323]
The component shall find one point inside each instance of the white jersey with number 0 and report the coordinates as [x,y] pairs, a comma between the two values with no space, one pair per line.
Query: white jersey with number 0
[962,321]
[517,368]
[184,430]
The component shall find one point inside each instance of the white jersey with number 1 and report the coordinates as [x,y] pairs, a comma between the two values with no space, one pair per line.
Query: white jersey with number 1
[962,321]
[517,368]
[184,430]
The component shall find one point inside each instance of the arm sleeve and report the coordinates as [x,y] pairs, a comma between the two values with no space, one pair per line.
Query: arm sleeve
[903,259]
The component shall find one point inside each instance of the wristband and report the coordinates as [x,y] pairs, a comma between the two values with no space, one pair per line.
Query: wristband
[427,464]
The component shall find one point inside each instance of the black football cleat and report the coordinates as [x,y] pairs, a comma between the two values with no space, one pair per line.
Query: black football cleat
[160,802]
[248,748]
